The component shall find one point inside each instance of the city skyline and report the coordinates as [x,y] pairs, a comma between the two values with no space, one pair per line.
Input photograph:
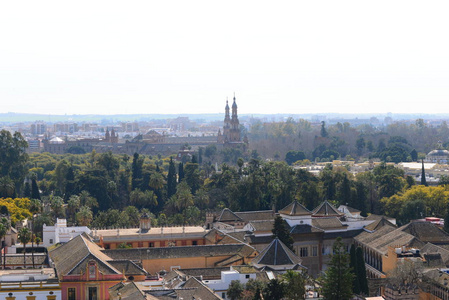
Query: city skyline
[187,58]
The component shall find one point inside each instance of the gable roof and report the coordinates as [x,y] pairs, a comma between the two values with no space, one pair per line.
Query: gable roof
[426,232]
[276,254]
[305,228]
[434,249]
[326,209]
[295,209]
[227,215]
[72,257]
[378,224]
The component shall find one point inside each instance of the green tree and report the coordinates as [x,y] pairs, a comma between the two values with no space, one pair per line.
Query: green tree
[84,216]
[293,156]
[294,285]
[423,174]
[171,179]
[361,271]
[6,226]
[24,236]
[280,231]
[35,194]
[137,168]
[13,157]
[323,129]
[180,172]
[337,279]
[235,290]
[275,290]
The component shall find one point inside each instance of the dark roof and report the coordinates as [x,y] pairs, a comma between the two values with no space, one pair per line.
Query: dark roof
[261,215]
[128,290]
[276,254]
[426,232]
[17,259]
[332,223]
[127,267]
[72,257]
[379,223]
[431,248]
[176,252]
[227,215]
[266,225]
[342,234]
[261,239]
[201,290]
[434,260]
[326,209]
[305,228]
[295,209]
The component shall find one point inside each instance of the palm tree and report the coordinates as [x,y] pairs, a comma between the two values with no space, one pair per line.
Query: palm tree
[87,199]
[72,205]
[7,224]
[84,216]
[24,237]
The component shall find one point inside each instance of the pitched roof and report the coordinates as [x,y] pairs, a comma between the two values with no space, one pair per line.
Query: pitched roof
[332,223]
[305,228]
[266,225]
[350,209]
[72,257]
[276,254]
[326,209]
[388,236]
[177,252]
[426,232]
[430,248]
[202,291]
[128,290]
[128,267]
[260,215]
[378,224]
[295,209]
[227,215]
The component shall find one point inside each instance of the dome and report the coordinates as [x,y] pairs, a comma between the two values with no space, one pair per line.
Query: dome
[439,152]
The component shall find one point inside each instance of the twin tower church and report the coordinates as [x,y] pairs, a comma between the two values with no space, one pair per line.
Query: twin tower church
[231,134]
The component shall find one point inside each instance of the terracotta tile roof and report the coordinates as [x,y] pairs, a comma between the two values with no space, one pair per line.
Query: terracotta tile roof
[326,209]
[72,257]
[205,273]
[295,209]
[276,254]
[17,259]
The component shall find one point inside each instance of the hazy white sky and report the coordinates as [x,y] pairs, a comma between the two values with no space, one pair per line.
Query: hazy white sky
[83,57]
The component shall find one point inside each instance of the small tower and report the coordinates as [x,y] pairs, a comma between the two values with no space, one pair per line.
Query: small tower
[145,223]
[107,136]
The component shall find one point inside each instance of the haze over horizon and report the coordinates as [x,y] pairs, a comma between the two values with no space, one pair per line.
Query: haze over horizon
[140,57]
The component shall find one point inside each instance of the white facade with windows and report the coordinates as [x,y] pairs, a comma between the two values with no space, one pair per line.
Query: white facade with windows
[60,233]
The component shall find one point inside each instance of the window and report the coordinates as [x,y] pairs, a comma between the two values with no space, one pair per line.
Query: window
[92,293]
[314,250]
[92,273]
[303,252]
[194,243]
[51,241]
[71,294]
[151,245]
[247,276]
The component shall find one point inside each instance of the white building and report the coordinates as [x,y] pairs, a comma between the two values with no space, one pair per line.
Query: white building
[60,233]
